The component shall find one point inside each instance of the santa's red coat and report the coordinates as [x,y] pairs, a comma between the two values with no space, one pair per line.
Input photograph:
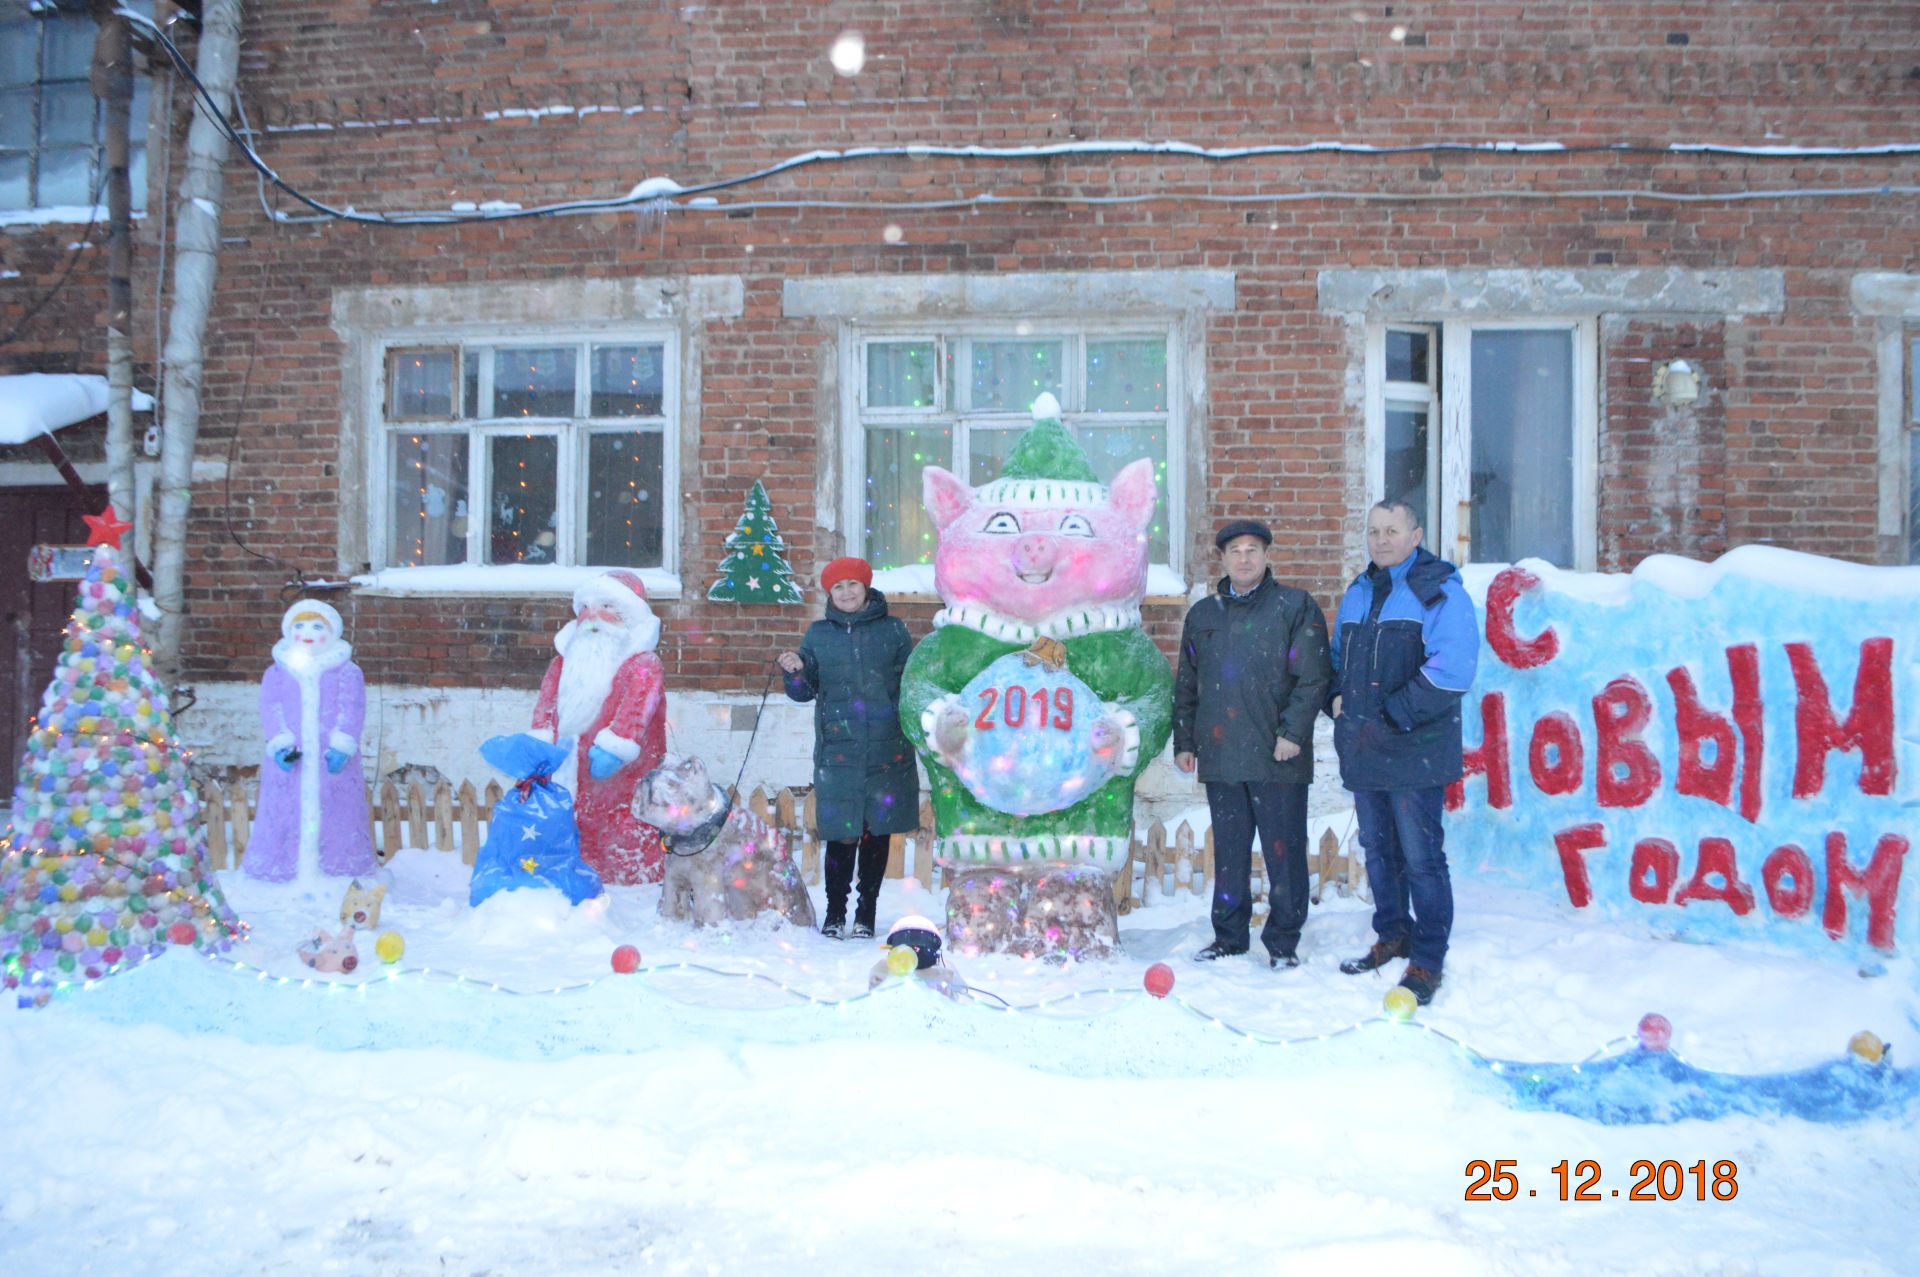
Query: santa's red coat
[632,724]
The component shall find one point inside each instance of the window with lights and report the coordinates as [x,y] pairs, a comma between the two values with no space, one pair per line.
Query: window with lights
[548,451]
[960,400]
[51,125]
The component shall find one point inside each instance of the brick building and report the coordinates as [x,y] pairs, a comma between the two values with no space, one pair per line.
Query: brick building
[1585,281]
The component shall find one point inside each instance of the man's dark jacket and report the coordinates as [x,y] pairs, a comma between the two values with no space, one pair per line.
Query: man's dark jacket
[1252,669]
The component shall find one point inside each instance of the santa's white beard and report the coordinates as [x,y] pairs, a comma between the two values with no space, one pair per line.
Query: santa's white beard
[592,658]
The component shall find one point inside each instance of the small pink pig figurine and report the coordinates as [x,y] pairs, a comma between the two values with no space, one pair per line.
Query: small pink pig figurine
[1038,699]
[330,953]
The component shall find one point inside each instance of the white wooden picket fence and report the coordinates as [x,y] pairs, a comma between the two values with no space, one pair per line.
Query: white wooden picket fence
[452,821]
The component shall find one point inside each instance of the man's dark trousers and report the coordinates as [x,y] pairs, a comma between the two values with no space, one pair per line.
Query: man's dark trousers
[1278,811]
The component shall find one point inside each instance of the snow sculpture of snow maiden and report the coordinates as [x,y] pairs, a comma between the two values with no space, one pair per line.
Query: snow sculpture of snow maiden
[607,689]
[1038,699]
[313,822]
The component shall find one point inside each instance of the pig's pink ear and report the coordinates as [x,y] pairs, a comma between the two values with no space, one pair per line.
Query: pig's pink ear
[945,496]
[1133,493]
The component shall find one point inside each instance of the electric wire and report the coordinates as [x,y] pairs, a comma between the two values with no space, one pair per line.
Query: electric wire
[678,196]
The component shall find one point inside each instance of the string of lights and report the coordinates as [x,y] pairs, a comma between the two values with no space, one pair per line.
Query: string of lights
[651,196]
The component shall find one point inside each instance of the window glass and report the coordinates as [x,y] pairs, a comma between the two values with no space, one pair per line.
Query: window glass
[66,114]
[523,498]
[19,54]
[1522,455]
[1407,356]
[898,531]
[429,483]
[419,385]
[1007,376]
[66,177]
[628,381]
[1407,457]
[16,118]
[625,501]
[900,374]
[1127,376]
[533,381]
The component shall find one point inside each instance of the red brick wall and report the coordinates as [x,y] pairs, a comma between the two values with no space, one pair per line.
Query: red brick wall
[1780,448]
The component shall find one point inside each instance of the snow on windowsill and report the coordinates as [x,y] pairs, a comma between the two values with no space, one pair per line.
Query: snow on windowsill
[915,584]
[513,578]
[59,214]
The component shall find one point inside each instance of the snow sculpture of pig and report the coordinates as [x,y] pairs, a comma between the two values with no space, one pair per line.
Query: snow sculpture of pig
[1038,699]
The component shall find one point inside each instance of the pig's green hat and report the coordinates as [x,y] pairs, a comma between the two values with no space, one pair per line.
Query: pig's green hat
[1046,468]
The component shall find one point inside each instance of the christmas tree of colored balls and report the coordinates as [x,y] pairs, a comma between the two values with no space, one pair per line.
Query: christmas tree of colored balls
[105,864]
[755,568]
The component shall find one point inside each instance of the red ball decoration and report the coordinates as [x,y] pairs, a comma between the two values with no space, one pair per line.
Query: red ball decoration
[181,932]
[1656,1031]
[626,959]
[1159,979]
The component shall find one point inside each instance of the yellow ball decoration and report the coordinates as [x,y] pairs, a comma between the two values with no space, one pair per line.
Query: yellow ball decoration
[1867,1046]
[902,960]
[389,946]
[1400,1002]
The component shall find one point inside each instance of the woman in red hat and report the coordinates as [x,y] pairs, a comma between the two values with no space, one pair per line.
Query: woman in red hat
[865,780]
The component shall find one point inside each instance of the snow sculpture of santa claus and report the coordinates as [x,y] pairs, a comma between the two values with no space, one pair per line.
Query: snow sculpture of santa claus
[607,689]
[312,822]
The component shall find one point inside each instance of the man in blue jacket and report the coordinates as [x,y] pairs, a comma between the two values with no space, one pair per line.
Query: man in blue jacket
[1406,643]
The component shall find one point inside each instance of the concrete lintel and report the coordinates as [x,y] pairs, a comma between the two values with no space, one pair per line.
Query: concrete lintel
[1437,294]
[1886,294]
[927,297]
[557,302]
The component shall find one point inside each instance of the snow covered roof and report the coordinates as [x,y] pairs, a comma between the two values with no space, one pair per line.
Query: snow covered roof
[39,403]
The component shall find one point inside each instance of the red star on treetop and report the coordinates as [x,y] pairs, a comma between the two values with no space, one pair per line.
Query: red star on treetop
[105,528]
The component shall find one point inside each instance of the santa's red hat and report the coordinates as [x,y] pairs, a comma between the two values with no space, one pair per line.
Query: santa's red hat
[626,594]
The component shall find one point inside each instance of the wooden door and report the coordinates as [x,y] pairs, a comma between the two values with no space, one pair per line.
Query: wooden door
[32,615]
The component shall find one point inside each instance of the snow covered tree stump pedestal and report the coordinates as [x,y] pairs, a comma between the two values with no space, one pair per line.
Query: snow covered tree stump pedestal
[1041,910]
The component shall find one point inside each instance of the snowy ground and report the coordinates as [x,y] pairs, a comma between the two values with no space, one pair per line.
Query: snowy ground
[191,1118]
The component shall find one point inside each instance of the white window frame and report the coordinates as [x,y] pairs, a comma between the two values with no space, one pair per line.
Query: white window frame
[1910,428]
[1449,438]
[574,433]
[952,404]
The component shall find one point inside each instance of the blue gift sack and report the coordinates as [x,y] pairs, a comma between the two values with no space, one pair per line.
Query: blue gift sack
[532,840]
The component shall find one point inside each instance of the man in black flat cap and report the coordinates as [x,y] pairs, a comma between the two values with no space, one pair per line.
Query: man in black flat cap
[1254,670]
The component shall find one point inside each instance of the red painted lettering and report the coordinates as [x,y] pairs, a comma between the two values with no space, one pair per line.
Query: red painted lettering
[1573,844]
[985,721]
[1717,858]
[1013,713]
[1656,864]
[1880,882]
[1039,699]
[1555,755]
[1869,725]
[1699,727]
[1628,772]
[1788,877]
[1488,758]
[1063,708]
[1743,663]
[1521,654]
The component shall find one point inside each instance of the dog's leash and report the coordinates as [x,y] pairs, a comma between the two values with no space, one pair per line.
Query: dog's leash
[711,826]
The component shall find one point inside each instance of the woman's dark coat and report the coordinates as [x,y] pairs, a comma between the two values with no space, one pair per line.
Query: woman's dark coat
[864,772]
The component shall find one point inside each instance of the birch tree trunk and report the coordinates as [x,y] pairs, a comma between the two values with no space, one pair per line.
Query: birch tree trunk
[196,262]
[113,86]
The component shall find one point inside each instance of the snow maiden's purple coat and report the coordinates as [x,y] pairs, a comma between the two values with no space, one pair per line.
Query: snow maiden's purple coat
[311,821]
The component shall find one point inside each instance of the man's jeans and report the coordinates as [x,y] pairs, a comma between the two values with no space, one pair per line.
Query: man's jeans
[1279,813]
[1401,834]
